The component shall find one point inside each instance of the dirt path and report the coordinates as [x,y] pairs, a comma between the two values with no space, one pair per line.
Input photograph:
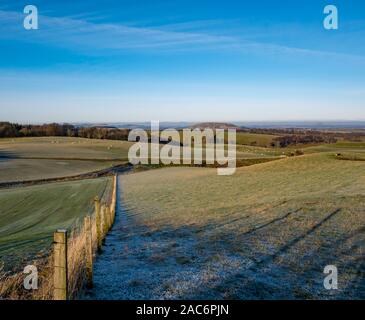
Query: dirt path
[119,272]
[142,264]
[138,263]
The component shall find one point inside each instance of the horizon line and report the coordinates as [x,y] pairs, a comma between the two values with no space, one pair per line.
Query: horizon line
[185,121]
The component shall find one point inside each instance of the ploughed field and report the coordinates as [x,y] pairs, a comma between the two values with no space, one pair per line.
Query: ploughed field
[266,232]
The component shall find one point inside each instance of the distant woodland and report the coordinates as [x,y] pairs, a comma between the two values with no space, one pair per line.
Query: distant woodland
[287,137]
[12,130]
[284,137]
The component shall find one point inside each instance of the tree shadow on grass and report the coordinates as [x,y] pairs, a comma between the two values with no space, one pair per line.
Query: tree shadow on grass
[185,262]
[269,278]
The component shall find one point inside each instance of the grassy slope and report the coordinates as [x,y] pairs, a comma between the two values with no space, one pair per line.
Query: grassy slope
[24,159]
[341,146]
[266,232]
[57,157]
[30,215]
[246,138]
[65,147]
[262,140]
[28,170]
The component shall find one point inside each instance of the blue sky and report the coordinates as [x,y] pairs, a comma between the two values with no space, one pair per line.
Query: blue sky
[182,61]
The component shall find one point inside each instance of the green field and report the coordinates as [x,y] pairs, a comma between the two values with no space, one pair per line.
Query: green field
[252,139]
[342,146]
[28,170]
[24,159]
[266,232]
[30,215]
[65,148]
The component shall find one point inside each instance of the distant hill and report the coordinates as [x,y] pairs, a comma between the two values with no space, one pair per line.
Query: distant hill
[214,125]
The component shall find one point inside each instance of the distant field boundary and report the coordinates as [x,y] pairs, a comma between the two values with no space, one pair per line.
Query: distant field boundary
[69,159]
[69,266]
[88,175]
[123,168]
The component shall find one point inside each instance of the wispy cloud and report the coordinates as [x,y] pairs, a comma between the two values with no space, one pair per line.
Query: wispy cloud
[88,36]
[79,33]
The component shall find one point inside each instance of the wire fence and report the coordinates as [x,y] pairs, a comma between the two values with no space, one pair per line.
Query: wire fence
[83,243]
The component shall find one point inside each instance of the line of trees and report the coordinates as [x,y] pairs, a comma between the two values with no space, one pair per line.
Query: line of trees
[285,137]
[12,130]
[289,136]
[294,139]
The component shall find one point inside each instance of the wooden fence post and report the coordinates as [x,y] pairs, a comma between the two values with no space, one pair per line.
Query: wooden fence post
[89,252]
[60,272]
[98,219]
[110,217]
[114,191]
[105,219]
[114,200]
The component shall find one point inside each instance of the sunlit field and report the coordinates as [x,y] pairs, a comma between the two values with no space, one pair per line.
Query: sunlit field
[266,232]
[24,159]
[30,215]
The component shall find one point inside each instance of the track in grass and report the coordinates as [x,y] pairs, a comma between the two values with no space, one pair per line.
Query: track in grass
[265,232]
[191,235]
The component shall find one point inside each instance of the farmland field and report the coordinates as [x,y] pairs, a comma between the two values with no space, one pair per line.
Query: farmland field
[30,215]
[24,159]
[64,147]
[28,170]
[182,232]
[261,140]
[266,232]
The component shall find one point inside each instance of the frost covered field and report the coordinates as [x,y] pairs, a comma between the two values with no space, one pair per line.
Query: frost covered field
[266,232]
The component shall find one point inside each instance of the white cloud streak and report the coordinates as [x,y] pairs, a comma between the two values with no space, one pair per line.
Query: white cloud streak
[106,38]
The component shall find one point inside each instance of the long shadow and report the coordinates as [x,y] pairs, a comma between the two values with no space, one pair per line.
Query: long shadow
[164,263]
[293,242]
[213,226]
[271,222]
[337,252]
[253,281]
[356,266]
